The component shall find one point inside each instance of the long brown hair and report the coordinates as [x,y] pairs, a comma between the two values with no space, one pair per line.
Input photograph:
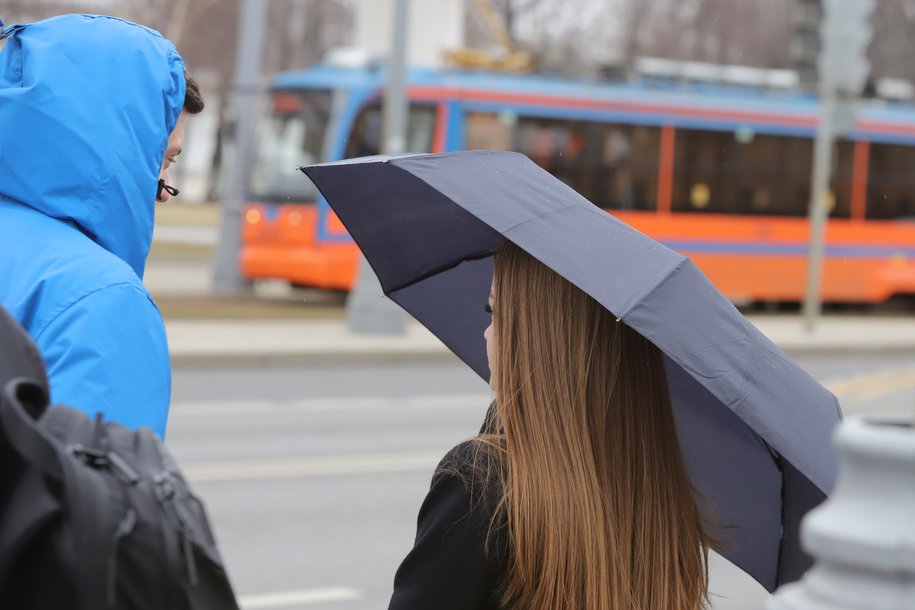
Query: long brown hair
[599,509]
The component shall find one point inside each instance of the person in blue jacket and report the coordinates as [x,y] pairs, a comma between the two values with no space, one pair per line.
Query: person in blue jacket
[91,116]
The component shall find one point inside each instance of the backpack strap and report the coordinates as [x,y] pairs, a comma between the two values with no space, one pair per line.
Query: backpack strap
[22,402]
[19,356]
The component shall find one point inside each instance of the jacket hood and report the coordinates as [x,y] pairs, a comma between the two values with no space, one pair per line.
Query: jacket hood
[86,107]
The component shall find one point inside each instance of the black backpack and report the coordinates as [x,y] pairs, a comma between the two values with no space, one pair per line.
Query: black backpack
[93,515]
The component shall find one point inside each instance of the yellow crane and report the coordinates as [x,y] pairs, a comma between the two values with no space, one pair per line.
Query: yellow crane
[511,59]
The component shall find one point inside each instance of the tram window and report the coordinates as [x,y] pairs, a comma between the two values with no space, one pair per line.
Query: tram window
[613,166]
[891,182]
[630,154]
[489,131]
[365,138]
[741,172]
[840,187]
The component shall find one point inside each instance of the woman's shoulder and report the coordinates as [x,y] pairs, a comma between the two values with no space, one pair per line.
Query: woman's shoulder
[457,559]
[473,461]
[471,469]
[461,455]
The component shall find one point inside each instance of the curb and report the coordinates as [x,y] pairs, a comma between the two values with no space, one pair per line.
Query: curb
[191,360]
[330,358]
[845,350]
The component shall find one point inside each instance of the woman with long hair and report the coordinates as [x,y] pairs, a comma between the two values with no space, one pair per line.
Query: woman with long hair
[574,495]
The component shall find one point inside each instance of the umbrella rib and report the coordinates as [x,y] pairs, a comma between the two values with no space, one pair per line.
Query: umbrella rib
[641,298]
[436,271]
[499,238]
[764,437]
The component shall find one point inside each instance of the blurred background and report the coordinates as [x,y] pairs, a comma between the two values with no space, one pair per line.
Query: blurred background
[693,120]
[704,109]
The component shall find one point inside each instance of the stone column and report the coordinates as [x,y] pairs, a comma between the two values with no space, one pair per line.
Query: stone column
[863,537]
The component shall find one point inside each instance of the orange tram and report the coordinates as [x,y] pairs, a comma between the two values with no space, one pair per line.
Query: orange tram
[721,174]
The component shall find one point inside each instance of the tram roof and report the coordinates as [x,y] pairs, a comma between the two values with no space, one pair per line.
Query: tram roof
[877,118]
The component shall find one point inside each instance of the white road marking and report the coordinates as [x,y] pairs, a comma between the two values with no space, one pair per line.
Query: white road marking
[310,466]
[304,597]
[865,386]
[316,405]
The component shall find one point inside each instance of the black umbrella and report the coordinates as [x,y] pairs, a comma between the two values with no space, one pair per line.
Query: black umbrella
[754,427]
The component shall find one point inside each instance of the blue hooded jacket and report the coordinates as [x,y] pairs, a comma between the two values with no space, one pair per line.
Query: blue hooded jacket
[86,107]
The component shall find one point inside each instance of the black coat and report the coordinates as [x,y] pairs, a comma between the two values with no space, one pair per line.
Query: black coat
[449,567]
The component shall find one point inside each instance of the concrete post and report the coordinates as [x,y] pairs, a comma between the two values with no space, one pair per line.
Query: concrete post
[367,311]
[863,537]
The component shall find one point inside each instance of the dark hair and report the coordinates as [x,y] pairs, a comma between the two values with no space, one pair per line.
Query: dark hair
[193,100]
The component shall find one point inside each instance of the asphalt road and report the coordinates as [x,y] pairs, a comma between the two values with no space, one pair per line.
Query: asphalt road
[313,476]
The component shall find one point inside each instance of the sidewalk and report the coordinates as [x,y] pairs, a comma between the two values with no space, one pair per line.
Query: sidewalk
[295,341]
[310,328]
[326,339]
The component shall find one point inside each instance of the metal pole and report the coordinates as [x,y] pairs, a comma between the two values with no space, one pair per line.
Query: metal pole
[818,213]
[252,20]
[395,97]
[367,310]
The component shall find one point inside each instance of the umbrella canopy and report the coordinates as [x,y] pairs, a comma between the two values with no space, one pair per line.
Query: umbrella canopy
[754,427]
